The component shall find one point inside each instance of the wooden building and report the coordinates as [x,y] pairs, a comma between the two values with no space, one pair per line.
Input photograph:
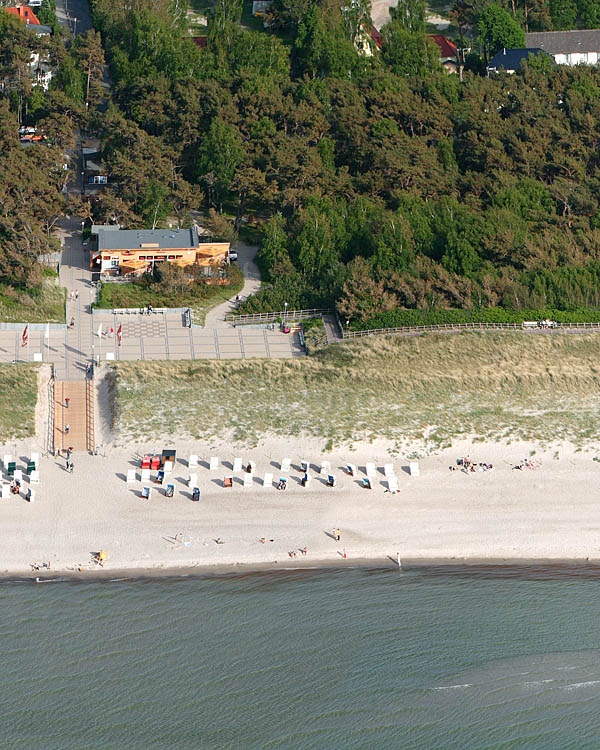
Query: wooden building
[133,252]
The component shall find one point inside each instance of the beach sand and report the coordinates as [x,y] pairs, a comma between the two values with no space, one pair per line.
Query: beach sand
[550,513]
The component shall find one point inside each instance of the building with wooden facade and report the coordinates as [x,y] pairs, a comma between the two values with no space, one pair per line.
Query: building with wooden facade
[133,252]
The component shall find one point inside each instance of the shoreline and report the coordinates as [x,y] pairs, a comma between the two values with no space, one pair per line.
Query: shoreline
[448,566]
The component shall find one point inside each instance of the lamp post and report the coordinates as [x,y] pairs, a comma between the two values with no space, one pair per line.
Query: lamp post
[285,312]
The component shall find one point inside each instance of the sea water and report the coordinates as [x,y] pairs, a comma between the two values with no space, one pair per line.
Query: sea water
[352,658]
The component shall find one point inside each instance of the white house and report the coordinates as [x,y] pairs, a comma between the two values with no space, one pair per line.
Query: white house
[568,47]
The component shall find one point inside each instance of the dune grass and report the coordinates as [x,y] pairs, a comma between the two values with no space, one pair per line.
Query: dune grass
[18,397]
[430,389]
[46,304]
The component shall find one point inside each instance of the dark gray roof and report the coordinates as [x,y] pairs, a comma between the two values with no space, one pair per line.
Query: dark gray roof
[565,42]
[39,28]
[133,239]
[511,59]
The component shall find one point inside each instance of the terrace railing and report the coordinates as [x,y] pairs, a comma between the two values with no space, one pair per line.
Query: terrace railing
[267,317]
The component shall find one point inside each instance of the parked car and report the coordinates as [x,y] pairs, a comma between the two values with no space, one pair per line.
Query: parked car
[232,256]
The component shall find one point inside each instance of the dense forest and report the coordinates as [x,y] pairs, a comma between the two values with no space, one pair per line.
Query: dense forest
[379,183]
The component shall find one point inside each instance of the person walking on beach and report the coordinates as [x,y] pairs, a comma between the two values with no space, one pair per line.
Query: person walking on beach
[336,535]
[67,402]
[344,553]
[67,428]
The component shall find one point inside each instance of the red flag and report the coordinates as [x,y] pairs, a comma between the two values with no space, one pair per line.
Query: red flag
[25,336]
[119,334]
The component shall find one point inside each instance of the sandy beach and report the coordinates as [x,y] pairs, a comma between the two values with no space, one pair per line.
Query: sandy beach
[547,513]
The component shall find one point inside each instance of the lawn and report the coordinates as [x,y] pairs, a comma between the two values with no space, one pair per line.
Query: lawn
[429,390]
[18,397]
[33,306]
[200,298]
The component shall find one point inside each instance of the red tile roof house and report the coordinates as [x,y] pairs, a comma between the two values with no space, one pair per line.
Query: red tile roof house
[448,53]
[25,13]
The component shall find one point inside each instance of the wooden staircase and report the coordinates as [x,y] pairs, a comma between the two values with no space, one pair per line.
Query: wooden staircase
[79,415]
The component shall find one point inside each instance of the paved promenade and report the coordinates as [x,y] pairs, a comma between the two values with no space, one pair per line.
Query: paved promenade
[158,336]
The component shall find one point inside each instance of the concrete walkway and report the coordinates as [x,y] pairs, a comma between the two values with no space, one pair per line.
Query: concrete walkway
[215,318]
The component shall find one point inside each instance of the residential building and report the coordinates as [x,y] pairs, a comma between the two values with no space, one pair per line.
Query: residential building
[510,60]
[261,7]
[448,52]
[132,252]
[568,47]
[24,13]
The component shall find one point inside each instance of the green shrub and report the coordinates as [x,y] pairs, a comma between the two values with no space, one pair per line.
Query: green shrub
[400,318]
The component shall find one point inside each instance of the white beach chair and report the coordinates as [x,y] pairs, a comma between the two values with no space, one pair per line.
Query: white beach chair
[268,480]
[168,467]
[193,480]
[6,491]
[304,465]
[131,477]
[35,459]
[6,460]
[237,464]
[392,483]
[145,477]
[388,470]
[413,467]
[37,356]
[325,467]
[34,477]
[31,495]
[370,469]
[252,466]
[247,480]
[351,469]
[193,461]
[214,463]
[18,475]
[286,464]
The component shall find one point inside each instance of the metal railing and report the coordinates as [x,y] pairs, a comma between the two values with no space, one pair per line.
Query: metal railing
[280,315]
[89,414]
[50,435]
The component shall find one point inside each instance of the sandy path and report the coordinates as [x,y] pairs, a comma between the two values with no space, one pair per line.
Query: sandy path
[215,318]
[549,513]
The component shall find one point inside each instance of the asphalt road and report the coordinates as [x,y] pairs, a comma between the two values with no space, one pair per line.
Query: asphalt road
[74,15]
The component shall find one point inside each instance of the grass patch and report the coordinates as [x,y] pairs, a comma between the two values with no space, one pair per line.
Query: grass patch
[314,331]
[34,305]
[431,389]
[18,397]
[200,297]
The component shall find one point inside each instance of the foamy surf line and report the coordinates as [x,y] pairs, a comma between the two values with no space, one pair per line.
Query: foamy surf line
[476,570]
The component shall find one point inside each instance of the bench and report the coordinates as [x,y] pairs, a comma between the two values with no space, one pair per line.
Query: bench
[187,318]
[302,339]
[530,324]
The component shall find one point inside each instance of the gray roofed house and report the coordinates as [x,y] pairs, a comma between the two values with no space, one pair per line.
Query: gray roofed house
[568,47]
[39,29]
[136,239]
